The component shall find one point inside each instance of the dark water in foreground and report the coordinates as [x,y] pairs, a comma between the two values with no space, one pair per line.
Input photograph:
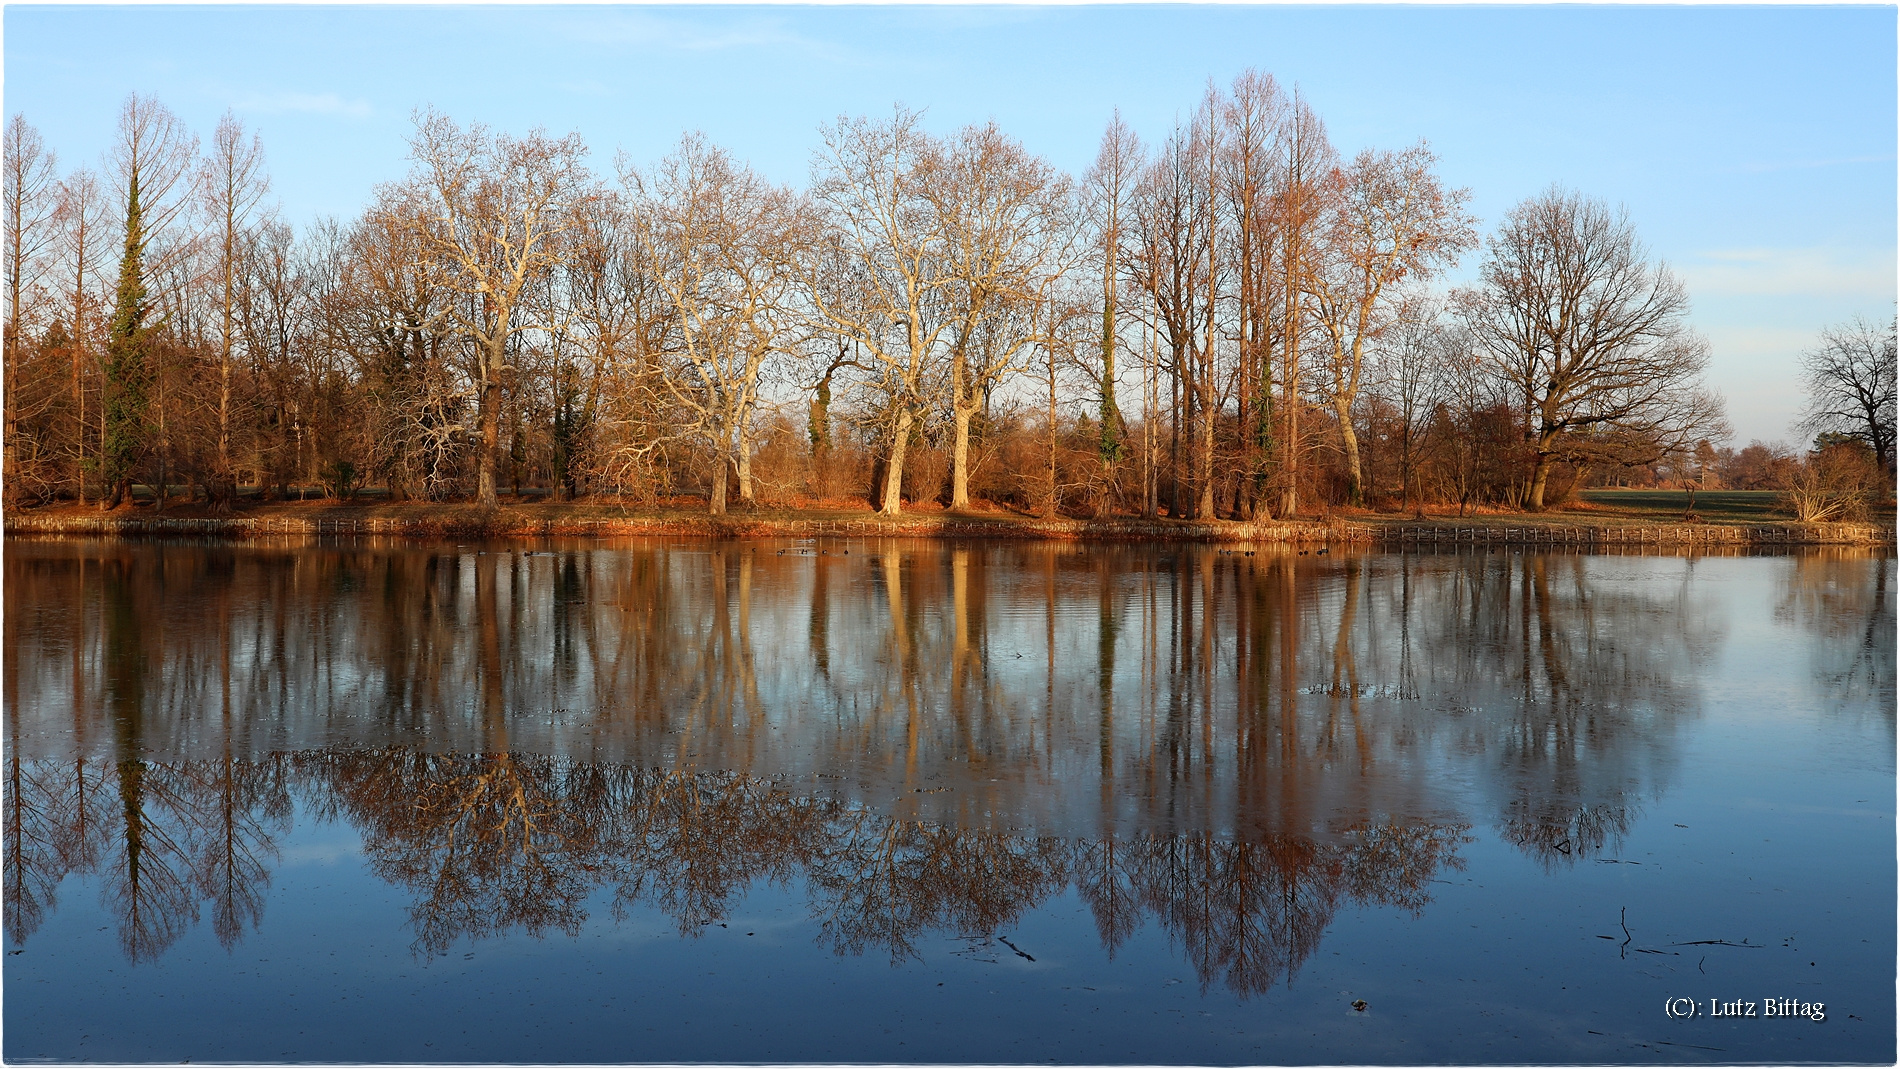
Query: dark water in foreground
[899,801]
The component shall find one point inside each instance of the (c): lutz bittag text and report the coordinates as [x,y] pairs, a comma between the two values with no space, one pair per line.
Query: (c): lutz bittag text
[1768,1007]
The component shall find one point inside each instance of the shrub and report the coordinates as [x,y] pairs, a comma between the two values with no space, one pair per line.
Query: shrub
[1837,482]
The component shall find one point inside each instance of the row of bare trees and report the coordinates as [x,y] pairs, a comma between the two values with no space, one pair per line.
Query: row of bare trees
[955,317]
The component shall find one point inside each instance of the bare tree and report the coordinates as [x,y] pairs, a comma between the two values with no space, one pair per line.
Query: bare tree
[609,425]
[490,213]
[1392,221]
[30,210]
[1461,448]
[153,149]
[1303,184]
[82,221]
[373,296]
[1408,372]
[232,186]
[1003,214]
[1589,336]
[1169,258]
[1109,187]
[723,244]
[347,352]
[879,284]
[1255,116]
[181,286]
[1211,400]
[1850,381]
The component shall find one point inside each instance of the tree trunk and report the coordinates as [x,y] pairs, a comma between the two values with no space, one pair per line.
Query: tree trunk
[79,381]
[164,449]
[79,407]
[1205,509]
[1540,475]
[226,479]
[491,444]
[1209,406]
[1174,437]
[1263,430]
[1049,510]
[108,488]
[226,482]
[893,502]
[960,457]
[1290,383]
[1290,488]
[716,500]
[1355,473]
[1150,444]
[743,462]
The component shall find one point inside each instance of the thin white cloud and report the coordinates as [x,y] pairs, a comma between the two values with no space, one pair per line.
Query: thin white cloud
[711,32]
[1808,272]
[1805,165]
[1752,340]
[305,103]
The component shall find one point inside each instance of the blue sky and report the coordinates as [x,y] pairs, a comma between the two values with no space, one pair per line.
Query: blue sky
[1753,146]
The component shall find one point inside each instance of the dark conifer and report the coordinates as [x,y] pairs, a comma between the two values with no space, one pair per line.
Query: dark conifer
[127,378]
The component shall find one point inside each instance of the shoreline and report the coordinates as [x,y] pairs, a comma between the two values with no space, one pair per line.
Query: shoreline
[535,521]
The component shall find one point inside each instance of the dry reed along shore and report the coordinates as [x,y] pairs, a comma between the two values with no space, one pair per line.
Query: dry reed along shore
[533,520]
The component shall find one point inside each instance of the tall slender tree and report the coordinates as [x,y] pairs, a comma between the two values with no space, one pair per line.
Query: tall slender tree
[151,156]
[1109,185]
[82,233]
[1211,400]
[29,210]
[1254,115]
[1307,165]
[128,371]
[1168,259]
[233,184]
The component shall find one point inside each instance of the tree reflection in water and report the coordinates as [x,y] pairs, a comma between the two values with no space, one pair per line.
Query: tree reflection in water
[492,843]
[1840,598]
[926,737]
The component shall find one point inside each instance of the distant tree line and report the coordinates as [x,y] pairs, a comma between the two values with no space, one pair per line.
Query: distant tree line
[1233,323]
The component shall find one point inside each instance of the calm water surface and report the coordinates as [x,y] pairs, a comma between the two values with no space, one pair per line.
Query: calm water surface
[909,801]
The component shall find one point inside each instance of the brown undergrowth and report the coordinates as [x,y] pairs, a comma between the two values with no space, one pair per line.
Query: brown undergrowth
[1593,522]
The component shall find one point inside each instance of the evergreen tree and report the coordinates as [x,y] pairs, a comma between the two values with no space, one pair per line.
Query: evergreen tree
[128,375]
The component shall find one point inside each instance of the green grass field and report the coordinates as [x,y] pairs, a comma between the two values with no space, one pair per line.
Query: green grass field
[1712,506]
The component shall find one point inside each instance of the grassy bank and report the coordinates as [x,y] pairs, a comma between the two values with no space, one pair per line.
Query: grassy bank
[1612,517]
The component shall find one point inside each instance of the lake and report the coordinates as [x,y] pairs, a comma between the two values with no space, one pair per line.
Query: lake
[914,801]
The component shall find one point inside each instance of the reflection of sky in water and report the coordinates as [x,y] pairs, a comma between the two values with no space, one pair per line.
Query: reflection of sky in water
[1432,782]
